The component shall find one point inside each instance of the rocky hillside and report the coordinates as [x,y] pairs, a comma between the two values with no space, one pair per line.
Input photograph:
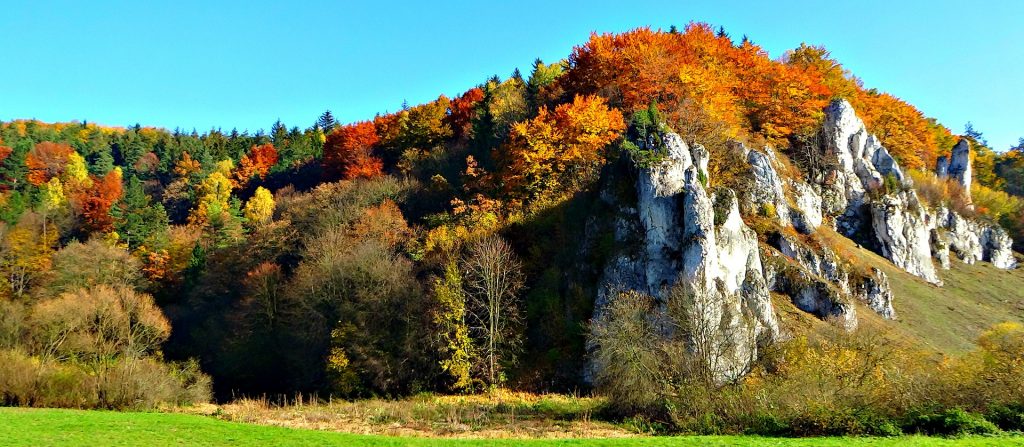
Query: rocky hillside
[681,233]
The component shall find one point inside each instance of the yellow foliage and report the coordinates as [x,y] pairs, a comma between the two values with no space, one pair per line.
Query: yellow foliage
[260,208]
[76,171]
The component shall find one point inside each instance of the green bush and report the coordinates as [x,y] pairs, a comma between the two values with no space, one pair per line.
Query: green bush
[1007,417]
[951,422]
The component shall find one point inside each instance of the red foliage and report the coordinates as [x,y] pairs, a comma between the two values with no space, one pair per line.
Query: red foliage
[461,111]
[257,162]
[348,152]
[45,161]
[94,203]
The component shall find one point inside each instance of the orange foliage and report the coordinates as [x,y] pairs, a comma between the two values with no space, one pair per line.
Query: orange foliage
[461,111]
[555,149]
[94,203]
[348,152]
[46,160]
[186,166]
[257,162]
[903,129]
[696,73]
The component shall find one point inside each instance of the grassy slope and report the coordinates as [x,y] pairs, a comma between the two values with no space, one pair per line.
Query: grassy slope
[36,428]
[949,318]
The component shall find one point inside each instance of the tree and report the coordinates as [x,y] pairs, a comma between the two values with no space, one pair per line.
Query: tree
[95,203]
[557,150]
[94,263]
[46,160]
[455,345]
[136,218]
[326,122]
[257,162]
[260,208]
[349,152]
[494,278]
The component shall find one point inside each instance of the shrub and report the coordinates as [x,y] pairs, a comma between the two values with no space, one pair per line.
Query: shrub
[951,422]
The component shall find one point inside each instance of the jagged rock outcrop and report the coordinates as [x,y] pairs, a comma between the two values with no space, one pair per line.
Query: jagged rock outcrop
[957,166]
[997,247]
[809,292]
[768,191]
[897,219]
[972,240]
[827,279]
[807,213]
[874,291]
[940,247]
[680,235]
[901,227]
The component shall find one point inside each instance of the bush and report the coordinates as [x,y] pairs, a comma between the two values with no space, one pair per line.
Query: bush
[1007,417]
[951,422]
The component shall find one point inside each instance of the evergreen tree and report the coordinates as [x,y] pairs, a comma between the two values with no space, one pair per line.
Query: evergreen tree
[327,123]
[137,219]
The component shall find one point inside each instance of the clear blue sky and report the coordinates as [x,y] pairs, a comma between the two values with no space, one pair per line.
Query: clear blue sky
[204,64]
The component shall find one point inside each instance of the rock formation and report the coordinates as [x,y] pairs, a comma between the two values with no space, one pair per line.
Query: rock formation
[680,235]
[957,166]
[865,169]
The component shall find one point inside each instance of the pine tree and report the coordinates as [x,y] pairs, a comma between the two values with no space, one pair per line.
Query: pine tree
[327,123]
[136,218]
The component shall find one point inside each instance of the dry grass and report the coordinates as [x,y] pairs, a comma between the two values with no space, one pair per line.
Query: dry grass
[499,414]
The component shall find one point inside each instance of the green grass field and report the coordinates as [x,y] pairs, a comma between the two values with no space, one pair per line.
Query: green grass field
[45,427]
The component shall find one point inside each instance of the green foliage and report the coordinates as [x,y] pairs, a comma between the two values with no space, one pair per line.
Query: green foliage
[456,347]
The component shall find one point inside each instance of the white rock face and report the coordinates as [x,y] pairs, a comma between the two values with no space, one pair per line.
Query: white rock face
[822,276]
[809,292]
[973,240]
[875,292]
[807,214]
[898,221]
[900,225]
[957,166]
[863,162]
[998,247]
[940,247]
[767,188]
[677,240]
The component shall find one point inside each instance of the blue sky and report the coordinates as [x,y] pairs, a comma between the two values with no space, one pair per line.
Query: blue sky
[204,64]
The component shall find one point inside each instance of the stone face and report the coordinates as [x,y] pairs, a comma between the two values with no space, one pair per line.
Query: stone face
[806,215]
[767,188]
[940,247]
[672,239]
[862,164]
[958,166]
[874,291]
[998,247]
[899,223]
[901,227]
[809,292]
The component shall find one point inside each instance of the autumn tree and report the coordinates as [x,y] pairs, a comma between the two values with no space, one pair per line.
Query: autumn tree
[46,160]
[96,202]
[256,163]
[455,347]
[558,150]
[349,152]
[494,278]
[260,208]
[462,110]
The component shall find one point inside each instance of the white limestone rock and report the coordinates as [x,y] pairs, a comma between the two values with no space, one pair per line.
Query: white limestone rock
[900,225]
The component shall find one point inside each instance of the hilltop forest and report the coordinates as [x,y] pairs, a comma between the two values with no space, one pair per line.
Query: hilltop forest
[447,246]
